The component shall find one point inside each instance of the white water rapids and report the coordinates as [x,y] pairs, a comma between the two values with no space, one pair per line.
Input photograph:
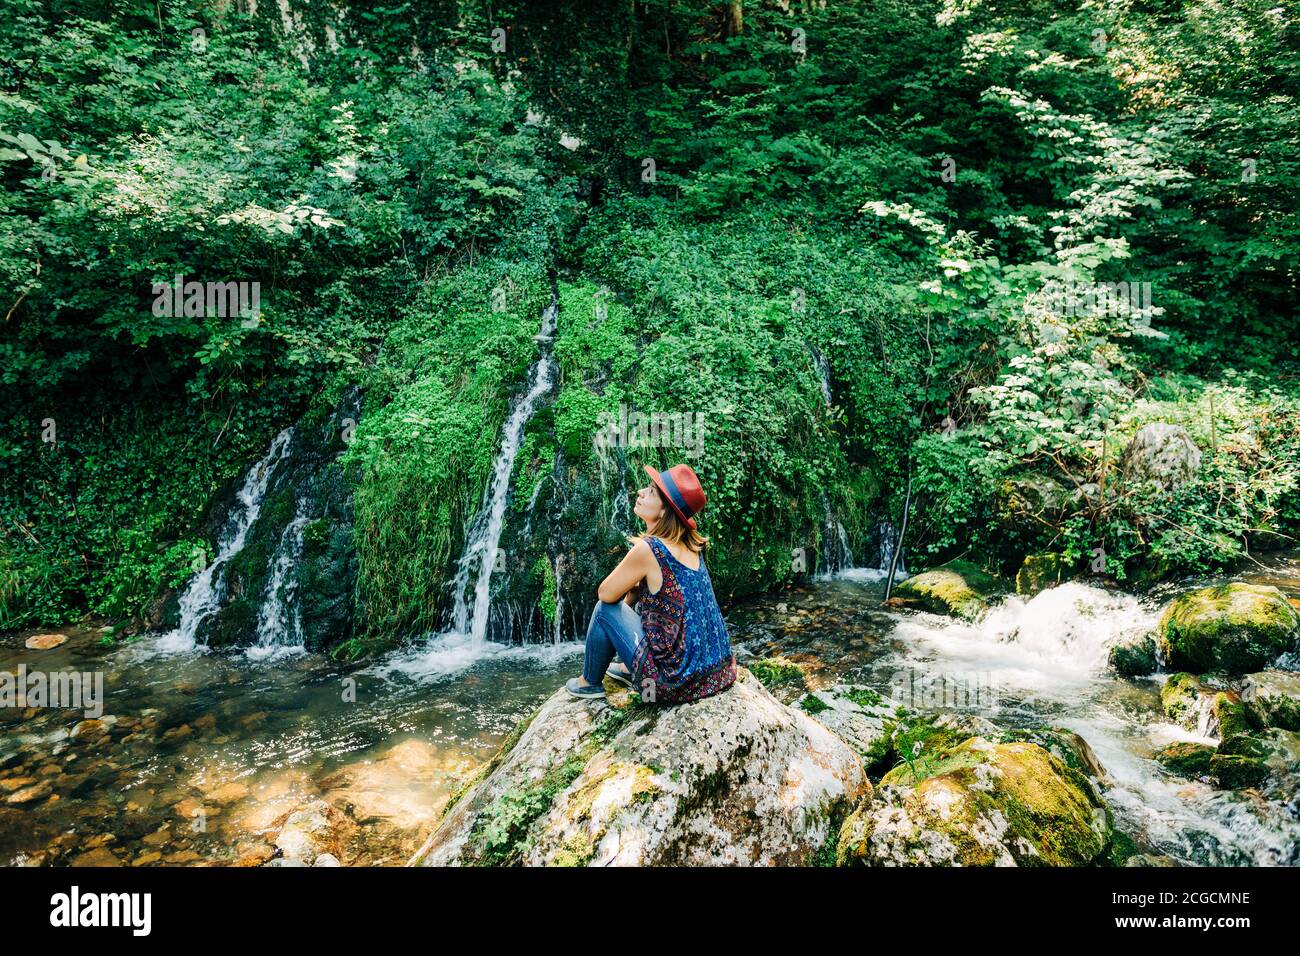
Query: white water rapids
[1044,661]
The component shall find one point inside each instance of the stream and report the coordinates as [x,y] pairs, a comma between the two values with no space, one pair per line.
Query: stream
[201,754]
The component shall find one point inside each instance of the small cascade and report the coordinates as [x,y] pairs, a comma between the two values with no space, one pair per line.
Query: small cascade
[823,373]
[1207,724]
[203,595]
[279,621]
[470,612]
[836,554]
[888,542]
[1051,643]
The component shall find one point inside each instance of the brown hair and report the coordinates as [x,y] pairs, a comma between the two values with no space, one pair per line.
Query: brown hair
[672,529]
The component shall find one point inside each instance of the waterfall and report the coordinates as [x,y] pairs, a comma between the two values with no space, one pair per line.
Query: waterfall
[823,373]
[836,555]
[470,615]
[279,620]
[202,596]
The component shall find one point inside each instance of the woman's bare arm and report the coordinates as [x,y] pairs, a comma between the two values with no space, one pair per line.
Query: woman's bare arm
[630,572]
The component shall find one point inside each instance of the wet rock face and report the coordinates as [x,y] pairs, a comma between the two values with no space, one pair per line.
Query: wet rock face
[1235,628]
[1161,453]
[983,804]
[1039,572]
[1272,699]
[735,779]
[959,588]
[1135,657]
[306,524]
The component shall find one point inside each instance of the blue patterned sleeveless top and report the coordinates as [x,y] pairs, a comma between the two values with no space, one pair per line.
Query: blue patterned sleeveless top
[686,651]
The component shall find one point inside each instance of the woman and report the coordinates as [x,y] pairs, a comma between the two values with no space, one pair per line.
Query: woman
[676,639]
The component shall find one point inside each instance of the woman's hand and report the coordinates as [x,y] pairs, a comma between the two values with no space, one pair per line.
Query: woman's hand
[631,571]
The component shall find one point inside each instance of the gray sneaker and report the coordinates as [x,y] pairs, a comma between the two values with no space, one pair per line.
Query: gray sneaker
[588,692]
[619,674]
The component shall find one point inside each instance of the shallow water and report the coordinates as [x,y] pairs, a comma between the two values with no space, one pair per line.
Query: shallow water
[246,739]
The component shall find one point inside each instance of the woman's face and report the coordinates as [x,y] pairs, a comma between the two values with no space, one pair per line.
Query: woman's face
[649,506]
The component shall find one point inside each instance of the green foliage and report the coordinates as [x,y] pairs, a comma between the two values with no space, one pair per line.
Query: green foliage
[900,215]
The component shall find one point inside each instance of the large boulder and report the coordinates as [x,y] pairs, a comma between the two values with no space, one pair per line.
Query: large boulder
[860,716]
[981,804]
[1161,453]
[958,588]
[734,779]
[1235,628]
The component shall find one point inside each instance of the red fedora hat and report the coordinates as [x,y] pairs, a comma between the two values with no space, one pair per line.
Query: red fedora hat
[680,487]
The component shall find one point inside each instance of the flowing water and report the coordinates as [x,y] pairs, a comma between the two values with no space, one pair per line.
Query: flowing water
[202,596]
[1032,662]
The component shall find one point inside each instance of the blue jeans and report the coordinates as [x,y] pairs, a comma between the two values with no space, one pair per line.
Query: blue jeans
[614,628]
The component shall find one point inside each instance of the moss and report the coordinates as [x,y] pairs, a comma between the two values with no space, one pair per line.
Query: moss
[775,672]
[959,588]
[576,851]
[826,855]
[315,538]
[1230,713]
[1233,627]
[864,697]
[1186,759]
[1234,772]
[918,737]
[1039,572]
[1122,849]
[813,705]
[1180,697]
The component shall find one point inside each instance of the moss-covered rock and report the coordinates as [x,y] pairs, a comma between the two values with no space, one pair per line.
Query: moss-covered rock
[1234,771]
[1180,698]
[1039,572]
[982,804]
[959,588]
[1271,753]
[734,779]
[1186,759]
[1272,699]
[1136,657]
[1228,715]
[1234,627]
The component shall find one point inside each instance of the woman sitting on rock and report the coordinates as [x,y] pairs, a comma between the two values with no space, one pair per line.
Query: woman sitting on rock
[676,639]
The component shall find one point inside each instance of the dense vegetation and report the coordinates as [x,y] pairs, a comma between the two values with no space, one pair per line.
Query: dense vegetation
[722,195]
